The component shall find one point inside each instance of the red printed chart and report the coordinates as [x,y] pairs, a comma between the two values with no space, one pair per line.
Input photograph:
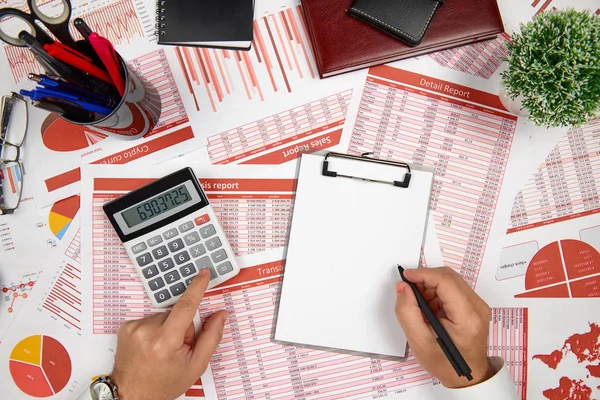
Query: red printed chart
[312,120]
[40,366]
[405,116]
[279,60]
[566,268]
[62,214]
[59,135]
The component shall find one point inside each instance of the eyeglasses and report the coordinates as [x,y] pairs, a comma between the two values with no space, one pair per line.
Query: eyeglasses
[13,128]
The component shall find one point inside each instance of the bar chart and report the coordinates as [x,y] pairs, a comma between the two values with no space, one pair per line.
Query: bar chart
[280,59]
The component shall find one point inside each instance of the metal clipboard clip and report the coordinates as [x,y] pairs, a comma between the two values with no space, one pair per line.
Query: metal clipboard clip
[364,157]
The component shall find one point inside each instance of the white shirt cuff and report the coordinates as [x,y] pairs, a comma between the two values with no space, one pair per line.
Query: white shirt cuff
[498,387]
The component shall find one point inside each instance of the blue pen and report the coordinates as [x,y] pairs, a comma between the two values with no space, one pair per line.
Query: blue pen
[68,95]
[46,94]
[50,83]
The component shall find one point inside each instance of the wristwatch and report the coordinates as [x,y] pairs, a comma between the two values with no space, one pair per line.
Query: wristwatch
[104,389]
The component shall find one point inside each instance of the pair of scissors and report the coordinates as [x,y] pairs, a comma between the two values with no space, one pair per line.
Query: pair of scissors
[58,26]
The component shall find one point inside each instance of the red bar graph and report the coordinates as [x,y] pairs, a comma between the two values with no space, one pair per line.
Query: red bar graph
[280,59]
[64,299]
[480,59]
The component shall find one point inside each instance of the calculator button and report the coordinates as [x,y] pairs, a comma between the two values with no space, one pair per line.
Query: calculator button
[218,256]
[188,281]
[182,257]
[191,238]
[202,219]
[170,234]
[139,248]
[204,262]
[150,272]
[153,241]
[224,268]
[161,296]
[207,231]
[175,245]
[187,270]
[160,252]
[178,289]
[172,277]
[144,259]
[197,250]
[186,227]
[166,264]
[213,243]
[156,283]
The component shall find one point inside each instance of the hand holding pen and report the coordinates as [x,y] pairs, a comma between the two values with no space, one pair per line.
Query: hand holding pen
[463,314]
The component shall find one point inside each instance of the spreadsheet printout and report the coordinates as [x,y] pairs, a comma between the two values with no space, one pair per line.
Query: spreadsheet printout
[254,209]
[248,364]
[552,246]
[455,123]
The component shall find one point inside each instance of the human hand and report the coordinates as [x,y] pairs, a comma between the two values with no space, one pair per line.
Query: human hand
[159,357]
[460,310]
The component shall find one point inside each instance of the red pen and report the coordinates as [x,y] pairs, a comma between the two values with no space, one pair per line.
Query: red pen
[107,54]
[77,60]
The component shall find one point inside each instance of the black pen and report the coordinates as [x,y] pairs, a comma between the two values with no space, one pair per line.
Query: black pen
[67,111]
[448,347]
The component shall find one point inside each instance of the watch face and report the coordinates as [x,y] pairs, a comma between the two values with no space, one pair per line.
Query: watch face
[101,391]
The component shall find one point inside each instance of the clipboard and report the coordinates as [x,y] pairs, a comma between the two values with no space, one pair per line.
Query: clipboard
[355,219]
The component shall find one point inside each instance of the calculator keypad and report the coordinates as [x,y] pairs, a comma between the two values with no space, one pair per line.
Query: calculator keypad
[144,259]
[207,231]
[198,250]
[153,241]
[172,261]
[160,252]
[182,257]
[170,234]
[150,272]
[166,265]
[138,248]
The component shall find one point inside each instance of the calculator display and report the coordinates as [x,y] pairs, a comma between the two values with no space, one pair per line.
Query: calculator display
[156,206]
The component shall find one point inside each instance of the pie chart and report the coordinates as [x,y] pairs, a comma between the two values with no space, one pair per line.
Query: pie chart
[40,366]
[566,268]
[61,215]
[60,135]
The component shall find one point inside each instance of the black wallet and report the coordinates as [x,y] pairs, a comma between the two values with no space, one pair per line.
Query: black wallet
[406,20]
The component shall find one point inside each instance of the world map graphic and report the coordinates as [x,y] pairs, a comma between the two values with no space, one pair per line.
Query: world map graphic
[586,348]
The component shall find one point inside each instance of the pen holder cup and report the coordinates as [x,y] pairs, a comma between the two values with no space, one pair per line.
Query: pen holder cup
[137,112]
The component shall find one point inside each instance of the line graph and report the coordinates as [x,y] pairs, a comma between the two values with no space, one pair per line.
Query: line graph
[120,22]
[280,58]
[13,292]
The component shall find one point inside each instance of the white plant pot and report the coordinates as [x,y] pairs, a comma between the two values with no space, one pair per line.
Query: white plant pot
[515,105]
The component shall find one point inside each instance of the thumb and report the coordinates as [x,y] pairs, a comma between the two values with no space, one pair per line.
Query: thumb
[410,317]
[208,340]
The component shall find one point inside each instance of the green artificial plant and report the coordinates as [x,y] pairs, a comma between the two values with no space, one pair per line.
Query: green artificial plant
[554,65]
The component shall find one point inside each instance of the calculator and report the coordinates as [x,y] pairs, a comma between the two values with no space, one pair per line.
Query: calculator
[171,232]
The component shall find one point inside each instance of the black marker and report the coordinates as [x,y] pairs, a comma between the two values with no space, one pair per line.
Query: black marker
[448,347]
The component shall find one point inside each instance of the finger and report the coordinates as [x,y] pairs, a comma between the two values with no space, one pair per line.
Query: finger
[208,340]
[411,318]
[190,335]
[450,288]
[183,312]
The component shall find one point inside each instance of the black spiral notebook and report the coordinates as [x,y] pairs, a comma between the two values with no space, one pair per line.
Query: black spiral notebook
[202,23]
